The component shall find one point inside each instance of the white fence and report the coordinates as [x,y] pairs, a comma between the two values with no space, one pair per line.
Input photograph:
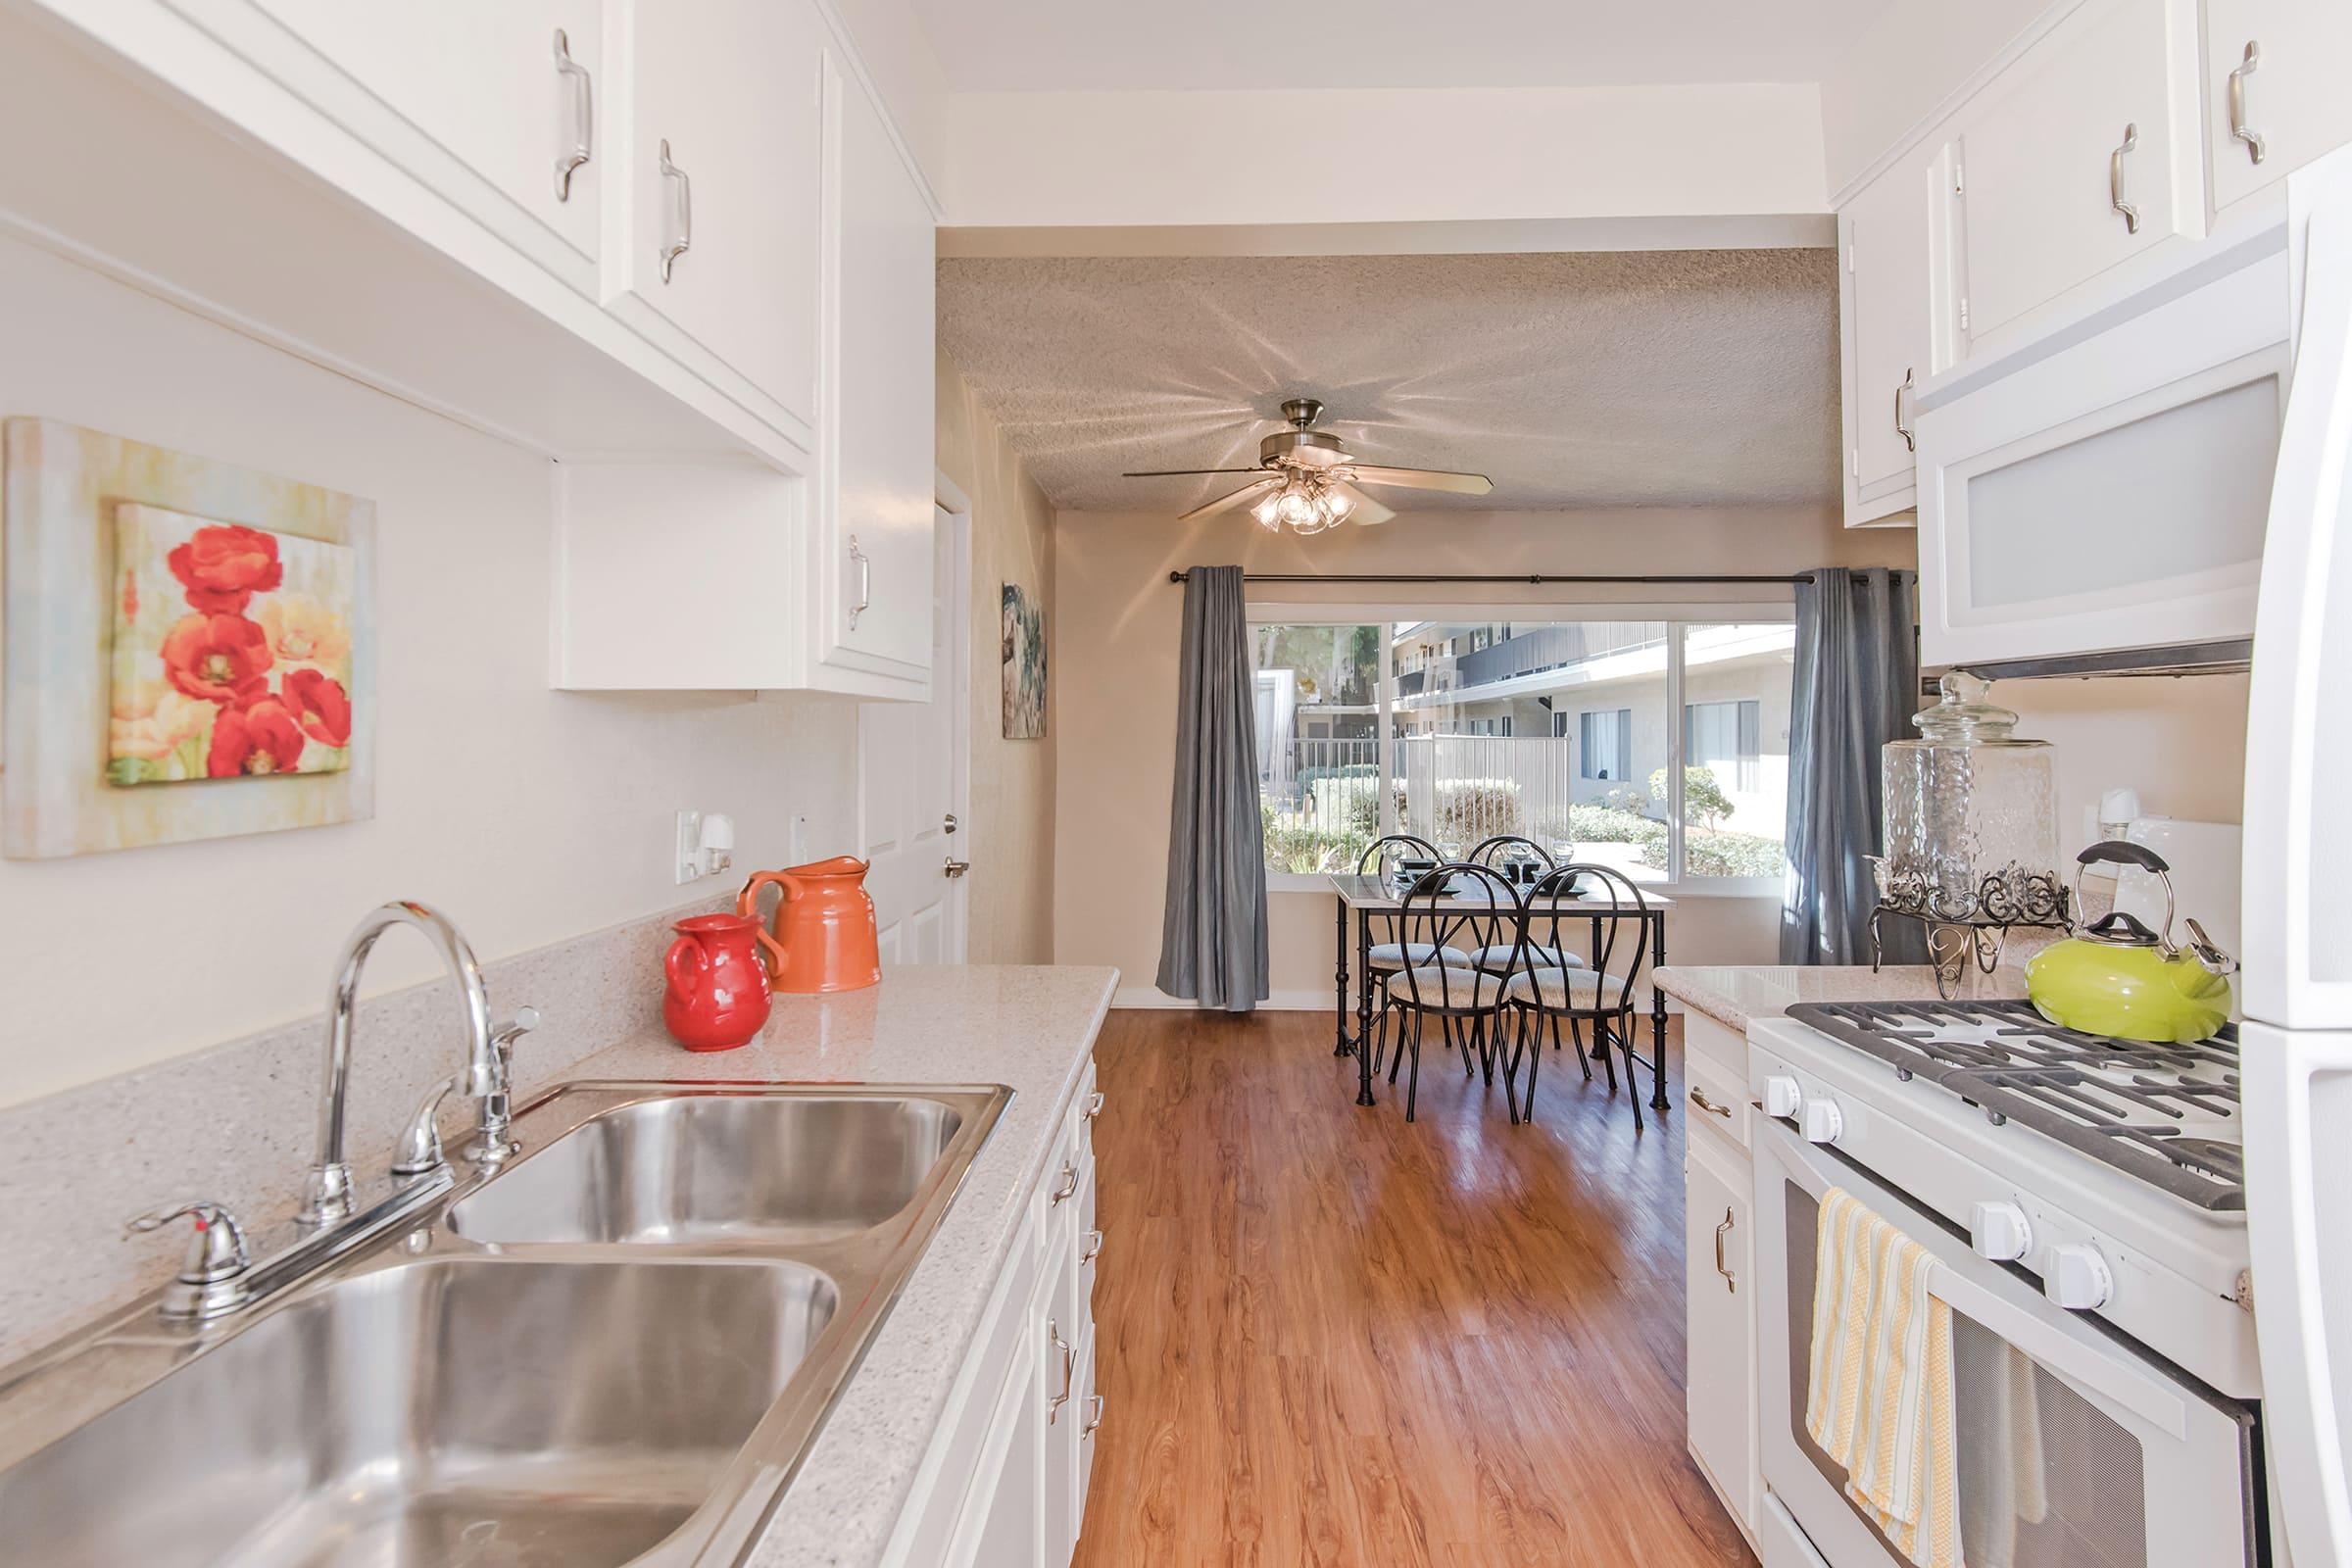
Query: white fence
[1456,789]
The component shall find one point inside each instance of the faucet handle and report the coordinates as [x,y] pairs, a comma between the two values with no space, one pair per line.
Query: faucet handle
[216,1253]
[525,1020]
[419,1152]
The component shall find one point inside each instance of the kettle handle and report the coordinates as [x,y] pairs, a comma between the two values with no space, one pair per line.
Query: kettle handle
[684,977]
[2122,852]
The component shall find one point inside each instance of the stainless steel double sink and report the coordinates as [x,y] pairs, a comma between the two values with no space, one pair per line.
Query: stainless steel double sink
[615,1349]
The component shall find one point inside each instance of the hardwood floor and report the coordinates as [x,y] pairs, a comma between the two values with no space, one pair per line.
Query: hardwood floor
[1328,1336]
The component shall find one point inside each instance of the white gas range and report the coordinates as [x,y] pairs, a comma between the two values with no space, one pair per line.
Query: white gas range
[2082,1198]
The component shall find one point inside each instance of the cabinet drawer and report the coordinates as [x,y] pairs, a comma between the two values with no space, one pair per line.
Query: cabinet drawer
[1716,1097]
[2090,121]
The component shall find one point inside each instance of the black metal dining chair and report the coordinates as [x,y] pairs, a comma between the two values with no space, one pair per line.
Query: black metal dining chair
[1458,908]
[1504,853]
[1384,858]
[1599,991]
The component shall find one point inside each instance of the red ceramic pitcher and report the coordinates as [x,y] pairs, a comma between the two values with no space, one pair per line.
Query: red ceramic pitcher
[717,993]
[824,937]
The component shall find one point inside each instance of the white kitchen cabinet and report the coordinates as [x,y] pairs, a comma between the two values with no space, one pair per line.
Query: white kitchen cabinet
[2275,89]
[1719,1295]
[500,106]
[1885,331]
[2080,156]
[872,543]
[1004,1485]
[714,248]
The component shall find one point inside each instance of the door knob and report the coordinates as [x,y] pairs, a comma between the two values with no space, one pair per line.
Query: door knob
[955,868]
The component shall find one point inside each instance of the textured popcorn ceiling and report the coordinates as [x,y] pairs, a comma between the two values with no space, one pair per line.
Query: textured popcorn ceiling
[1589,379]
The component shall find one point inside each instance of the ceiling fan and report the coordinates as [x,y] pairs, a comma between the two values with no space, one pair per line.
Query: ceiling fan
[1307,478]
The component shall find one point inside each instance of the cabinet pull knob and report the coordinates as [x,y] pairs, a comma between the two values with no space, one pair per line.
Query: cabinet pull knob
[579,108]
[1069,1371]
[682,231]
[1910,436]
[1093,1104]
[2257,148]
[865,582]
[1094,1249]
[1721,1231]
[1698,1098]
[2115,180]
[1094,1415]
[1069,1186]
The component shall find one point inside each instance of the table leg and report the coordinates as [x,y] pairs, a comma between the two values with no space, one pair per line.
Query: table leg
[1363,1007]
[1342,1044]
[1658,1100]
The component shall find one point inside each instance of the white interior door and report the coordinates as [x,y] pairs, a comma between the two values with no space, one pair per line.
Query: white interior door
[914,777]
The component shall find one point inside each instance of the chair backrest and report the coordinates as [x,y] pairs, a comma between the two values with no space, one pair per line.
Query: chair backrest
[1383,855]
[1598,913]
[1464,907]
[1507,852]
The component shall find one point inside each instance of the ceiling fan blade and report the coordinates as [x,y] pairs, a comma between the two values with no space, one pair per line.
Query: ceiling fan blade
[1361,507]
[1461,484]
[1227,502]
[1182,473]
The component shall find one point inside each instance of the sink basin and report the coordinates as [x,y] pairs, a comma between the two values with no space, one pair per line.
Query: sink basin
[480,1411]
[718,1167]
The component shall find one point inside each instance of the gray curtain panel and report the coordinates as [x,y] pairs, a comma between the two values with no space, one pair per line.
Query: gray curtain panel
[1212,939]
[1856,686]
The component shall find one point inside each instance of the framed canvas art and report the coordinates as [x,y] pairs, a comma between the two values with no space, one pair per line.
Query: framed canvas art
[1024,625]
[189,647]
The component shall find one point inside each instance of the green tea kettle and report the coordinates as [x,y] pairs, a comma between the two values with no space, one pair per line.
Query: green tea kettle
[2117,977]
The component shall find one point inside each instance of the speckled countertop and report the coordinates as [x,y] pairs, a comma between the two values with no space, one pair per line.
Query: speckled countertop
[1029,1028]
[1733,994]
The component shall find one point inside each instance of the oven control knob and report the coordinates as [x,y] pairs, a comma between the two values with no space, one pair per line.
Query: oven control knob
[1782,1097]
[2077,1278]
[1823,1121]
[1999,1232]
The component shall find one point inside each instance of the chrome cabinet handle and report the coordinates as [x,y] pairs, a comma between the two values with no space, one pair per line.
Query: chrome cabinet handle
[1093,1104]
[1094,1249]
[955,868]
[2115,180]
[865,582]
[1910,437]
[1698,1098]
[579,139]
[1094,1415]
[1729,1283]
[1069,1371]
[682,232]
[2257,148]
[1069,1185]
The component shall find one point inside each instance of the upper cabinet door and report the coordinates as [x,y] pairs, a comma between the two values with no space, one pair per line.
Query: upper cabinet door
[513,94]
[719,254]
[2275,89]
[2067,165]
[1885,321]
[875,549]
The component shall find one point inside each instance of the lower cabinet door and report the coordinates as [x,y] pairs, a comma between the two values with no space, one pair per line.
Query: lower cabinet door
[1721,1380]
[1010,1533]
[1063,1401]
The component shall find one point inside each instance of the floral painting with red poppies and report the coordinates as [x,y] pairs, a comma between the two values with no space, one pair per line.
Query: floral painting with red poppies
[232,650]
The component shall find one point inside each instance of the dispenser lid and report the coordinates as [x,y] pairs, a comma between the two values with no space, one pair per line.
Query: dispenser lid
[1962,717]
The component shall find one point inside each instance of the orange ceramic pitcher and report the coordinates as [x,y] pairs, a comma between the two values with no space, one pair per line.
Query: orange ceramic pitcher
[824,926]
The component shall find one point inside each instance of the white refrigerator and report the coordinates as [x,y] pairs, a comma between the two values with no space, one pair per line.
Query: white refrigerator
[2296,989]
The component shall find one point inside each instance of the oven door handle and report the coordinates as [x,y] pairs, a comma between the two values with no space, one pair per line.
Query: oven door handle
[2082,1355]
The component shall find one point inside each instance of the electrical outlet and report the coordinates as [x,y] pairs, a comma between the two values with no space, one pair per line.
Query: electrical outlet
[687,862]
[706,845]
[798,847]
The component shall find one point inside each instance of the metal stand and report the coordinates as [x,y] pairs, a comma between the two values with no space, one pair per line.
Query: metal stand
[1975,926]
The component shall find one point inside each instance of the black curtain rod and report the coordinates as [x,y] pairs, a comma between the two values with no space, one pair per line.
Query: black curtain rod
[1528,579]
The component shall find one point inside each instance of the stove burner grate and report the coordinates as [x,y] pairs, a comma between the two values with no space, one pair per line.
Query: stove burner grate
[2128,1103]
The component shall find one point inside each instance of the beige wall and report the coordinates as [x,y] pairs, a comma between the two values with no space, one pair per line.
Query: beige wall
[1010,842]
[528,814]
[1114,683]
[2181,743]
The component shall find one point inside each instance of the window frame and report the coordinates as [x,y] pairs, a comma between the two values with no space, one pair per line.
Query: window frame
[1677,616]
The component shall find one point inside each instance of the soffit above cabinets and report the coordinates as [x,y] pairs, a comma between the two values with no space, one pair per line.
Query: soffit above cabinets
[1617,379]
[1075,45]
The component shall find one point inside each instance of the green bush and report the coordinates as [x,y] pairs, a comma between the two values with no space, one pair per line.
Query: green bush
[1703,800]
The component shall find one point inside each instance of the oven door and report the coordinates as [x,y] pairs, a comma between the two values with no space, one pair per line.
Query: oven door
[2076,1450]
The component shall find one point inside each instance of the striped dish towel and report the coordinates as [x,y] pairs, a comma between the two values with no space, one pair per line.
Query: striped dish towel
[1881,1399]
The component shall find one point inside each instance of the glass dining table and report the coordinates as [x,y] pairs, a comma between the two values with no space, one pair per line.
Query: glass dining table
[1373,899]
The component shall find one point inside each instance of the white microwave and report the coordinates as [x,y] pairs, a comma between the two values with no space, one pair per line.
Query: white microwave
[2105,487]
